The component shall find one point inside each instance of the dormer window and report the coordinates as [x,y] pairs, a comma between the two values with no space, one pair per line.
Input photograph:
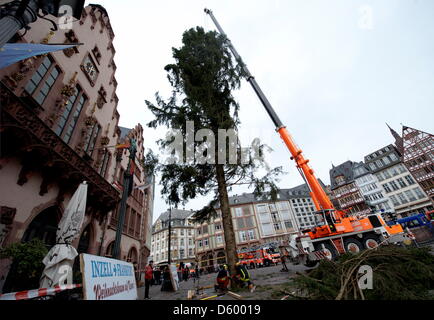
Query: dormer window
[339,179]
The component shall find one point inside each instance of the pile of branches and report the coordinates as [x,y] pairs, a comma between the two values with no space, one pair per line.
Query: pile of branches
[397,274]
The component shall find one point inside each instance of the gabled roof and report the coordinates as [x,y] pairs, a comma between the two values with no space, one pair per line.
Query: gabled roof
[345,169]
[176,214]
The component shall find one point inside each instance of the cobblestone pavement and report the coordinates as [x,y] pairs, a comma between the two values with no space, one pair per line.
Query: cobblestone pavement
[263,278]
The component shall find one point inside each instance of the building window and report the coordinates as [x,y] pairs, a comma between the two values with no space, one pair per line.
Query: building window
[219,239]
[47,84]
[205,242]
[68,119]
[401,168]
[410,195]
[288,225]
[92,136]
[252,235]
[394,171]
[105,160]
[393,157]
[402,198]
[242,236]
[401,182]
[277,226]
[379,163]
[205,229]
[379,176]
[418,193]
[394,185]
[262,208]
[38,75]
[74,118]
[238,212]
[409,180]
[387,174]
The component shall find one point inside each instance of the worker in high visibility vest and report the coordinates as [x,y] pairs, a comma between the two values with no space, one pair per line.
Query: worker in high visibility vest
[243,276]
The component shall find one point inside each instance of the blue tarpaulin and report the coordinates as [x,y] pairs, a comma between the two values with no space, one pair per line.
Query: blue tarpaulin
[14,52]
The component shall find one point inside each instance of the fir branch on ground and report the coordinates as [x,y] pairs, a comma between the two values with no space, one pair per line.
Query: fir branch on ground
[398,274]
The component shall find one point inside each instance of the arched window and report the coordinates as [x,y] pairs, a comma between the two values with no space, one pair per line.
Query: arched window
[44,226]
[221,257]
[204,261]
[109,250]
[83,244]
[132,255]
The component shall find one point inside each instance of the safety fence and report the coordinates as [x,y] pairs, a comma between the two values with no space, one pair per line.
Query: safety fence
[31,294]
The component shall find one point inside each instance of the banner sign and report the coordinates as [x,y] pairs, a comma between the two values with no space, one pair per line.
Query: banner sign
[107,279]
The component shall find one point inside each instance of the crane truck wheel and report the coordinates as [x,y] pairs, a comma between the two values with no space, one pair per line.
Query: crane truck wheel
[352,245]
[370,241]
[329,250]
[310,263]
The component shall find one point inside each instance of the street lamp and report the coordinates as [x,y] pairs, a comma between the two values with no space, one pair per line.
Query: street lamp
[128,179]
[15,15]
[170,234]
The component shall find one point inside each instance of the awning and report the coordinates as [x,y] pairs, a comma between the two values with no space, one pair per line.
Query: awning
[11,53]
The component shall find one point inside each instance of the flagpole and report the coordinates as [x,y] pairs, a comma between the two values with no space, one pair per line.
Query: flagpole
[170,234]
[125,194]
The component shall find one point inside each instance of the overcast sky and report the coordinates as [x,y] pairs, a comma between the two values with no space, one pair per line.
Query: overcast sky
[335,71]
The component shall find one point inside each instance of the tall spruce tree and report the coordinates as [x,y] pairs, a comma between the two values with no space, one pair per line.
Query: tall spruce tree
[203,78]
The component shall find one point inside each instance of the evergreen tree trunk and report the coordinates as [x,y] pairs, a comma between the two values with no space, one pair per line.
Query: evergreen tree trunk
[231,246]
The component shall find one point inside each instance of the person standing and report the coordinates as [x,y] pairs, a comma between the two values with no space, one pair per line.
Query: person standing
[149,271]
[284,267]
[186,273]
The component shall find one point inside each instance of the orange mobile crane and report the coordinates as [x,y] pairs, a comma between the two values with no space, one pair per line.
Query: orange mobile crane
[336,232]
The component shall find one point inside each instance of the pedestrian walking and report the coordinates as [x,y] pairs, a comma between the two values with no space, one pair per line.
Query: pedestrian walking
[157,275]
[149,270]
[185,273]
[167,282]
[284,267]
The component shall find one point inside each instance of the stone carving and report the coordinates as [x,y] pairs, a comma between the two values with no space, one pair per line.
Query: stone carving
[7,216]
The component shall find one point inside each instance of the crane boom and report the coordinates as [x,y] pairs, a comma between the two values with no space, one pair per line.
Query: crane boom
[319,197]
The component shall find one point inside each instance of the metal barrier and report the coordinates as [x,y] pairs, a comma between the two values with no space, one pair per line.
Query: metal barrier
[31,294]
